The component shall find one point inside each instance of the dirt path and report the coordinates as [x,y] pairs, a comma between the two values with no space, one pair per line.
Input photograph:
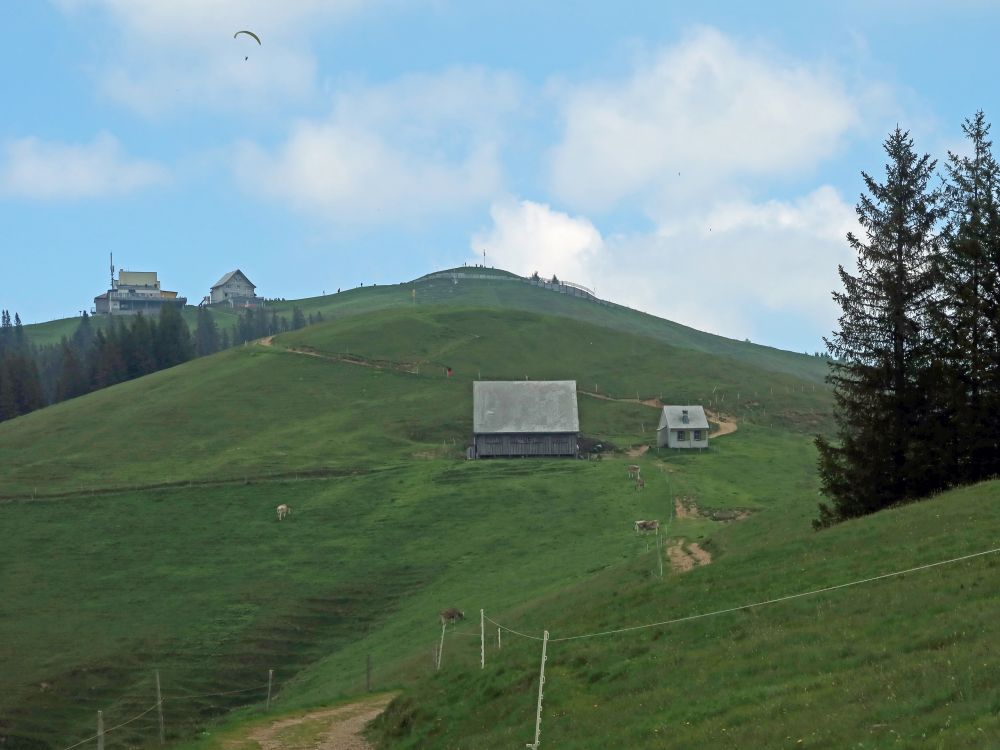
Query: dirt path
[726,424]
[337,728]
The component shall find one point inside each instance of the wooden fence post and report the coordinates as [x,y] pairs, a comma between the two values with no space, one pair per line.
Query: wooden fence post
[270,677]
[100,730]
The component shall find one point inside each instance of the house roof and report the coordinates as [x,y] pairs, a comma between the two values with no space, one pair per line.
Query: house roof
[525,406]
[229,276]
[672,417]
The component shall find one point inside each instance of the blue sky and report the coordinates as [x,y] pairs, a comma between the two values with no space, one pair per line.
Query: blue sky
[698,161]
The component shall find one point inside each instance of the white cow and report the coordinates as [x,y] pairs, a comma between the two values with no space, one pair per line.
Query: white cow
[633,471]
[283,510]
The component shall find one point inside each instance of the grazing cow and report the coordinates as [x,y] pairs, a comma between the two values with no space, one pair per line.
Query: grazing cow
[451,615]
[283,510]
[633,471]
[640,484]
[646,525]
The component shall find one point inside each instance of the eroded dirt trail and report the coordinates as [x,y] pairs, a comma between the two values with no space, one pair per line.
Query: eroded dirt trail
[687,557]
[337,728]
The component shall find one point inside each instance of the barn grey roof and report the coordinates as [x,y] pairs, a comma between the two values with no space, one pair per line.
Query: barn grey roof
[524,406]
[672,417]
[225,279]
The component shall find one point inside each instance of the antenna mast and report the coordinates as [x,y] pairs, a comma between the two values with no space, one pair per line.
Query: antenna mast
[112,271]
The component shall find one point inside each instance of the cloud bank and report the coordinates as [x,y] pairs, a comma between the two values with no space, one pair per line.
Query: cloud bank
[37,169]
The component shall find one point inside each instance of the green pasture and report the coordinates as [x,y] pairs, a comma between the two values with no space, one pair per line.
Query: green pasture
[259,411]
[503,296]
[138,533]
[907,661]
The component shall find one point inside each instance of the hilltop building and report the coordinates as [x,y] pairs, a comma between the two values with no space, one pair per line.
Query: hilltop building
[524,418]
[234,289]
[135,292]
[682,427]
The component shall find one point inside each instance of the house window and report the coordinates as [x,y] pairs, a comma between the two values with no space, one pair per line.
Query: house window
[681,435]
[697,435]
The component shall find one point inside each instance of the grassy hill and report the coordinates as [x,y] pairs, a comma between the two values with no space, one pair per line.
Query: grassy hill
[151,543]
[505,292]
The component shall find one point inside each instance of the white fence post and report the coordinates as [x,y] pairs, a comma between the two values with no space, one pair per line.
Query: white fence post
[441,647]
[482,640]
[498,639]
[159,706]
[270,676]
[100,730]
[541,690]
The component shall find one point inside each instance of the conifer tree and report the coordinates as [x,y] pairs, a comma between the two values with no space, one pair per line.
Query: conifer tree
[72,380]
[206,333]
[298,319]
[881,352]
[965,316]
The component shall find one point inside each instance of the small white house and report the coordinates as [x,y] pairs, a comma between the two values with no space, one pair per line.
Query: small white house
[682,427]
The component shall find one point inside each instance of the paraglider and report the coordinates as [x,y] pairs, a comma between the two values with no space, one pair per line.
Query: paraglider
[250,34]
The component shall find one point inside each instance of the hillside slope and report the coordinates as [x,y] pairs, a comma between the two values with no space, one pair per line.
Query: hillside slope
[904,661]
[157,546]
[506,292]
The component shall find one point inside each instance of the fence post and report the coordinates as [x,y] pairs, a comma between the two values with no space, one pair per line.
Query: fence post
[368,673]
[541,690]
[270,676]
[482,640]
[441,647]
[159,706]
[659,551]
[498,639]
[100,730]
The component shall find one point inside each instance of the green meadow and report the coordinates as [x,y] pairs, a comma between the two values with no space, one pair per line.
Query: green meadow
[139,534]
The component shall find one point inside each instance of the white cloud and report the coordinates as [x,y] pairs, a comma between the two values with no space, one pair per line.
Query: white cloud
[721,271]
[527,237]
[417,146]
[32,168]
[182,53]
[710,109]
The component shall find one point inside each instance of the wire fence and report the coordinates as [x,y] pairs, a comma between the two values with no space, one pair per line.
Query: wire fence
[546,638]
[103,732]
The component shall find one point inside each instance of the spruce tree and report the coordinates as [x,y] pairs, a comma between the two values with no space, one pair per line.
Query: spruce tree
[72,375]
[966,313]
[881,352]
[298,319]
[206,333]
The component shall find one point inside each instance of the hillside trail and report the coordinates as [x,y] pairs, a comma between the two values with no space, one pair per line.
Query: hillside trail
[726,425]
[337,728]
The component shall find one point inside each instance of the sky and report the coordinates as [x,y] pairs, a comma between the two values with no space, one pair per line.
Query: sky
[697,161]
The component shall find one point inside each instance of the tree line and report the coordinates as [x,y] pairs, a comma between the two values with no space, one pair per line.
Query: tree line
[915,362]
[95,357]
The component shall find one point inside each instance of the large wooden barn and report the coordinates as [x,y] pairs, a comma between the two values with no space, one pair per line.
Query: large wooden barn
[525,418]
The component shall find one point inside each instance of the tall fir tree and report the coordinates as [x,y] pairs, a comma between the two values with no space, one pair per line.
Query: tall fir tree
[881,351]
[206,337]
[172,339]
[72,380]
[966,314]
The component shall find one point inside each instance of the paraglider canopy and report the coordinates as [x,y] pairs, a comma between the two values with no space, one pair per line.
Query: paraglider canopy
[248,33]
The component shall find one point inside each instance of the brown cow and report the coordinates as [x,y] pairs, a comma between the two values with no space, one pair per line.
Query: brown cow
[652,525]
[640,483]
[633,471]
[451,615]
